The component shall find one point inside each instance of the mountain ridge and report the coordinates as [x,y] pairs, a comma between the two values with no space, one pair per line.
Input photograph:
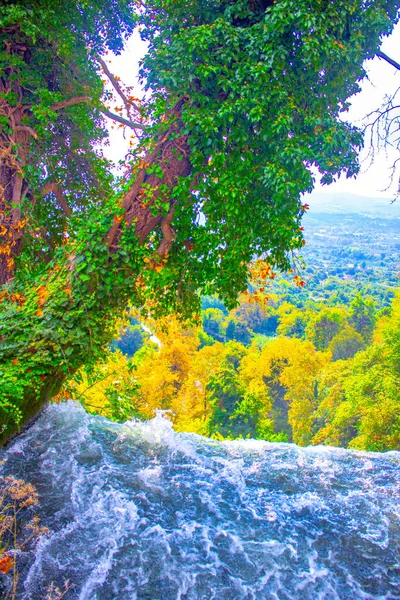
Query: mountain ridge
[321,202]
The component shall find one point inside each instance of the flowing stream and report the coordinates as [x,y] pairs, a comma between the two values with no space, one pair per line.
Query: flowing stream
[137,511]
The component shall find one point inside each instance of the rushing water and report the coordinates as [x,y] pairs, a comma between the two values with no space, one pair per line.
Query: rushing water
[138,511]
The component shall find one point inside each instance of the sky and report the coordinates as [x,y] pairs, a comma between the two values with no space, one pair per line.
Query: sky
[382,79]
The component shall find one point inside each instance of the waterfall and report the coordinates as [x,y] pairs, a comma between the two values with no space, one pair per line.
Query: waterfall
[138,511]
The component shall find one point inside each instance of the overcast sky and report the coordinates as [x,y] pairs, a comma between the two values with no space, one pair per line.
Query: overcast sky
[382,79]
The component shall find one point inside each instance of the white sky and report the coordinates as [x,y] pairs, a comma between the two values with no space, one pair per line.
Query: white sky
[383,79]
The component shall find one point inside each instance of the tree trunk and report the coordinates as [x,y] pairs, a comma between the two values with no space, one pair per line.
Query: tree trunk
[14,147]
[49,330]
[11,222]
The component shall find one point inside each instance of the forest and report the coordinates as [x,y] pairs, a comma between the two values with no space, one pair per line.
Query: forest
[309,372]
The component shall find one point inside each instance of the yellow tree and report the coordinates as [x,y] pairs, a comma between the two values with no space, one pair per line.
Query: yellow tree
[161,372]
[108,388]
[331,397]
[283,375]
[292,320]
[299,378]
[192,404]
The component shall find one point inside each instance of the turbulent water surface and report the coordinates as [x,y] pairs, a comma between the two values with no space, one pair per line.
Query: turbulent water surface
[137,511]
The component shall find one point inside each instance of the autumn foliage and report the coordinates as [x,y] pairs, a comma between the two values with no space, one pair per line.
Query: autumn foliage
[332,379]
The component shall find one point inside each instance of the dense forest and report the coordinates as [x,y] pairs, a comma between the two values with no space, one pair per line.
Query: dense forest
[313,363]
[308,359]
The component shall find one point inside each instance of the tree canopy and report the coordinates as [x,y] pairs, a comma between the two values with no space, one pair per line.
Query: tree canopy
[276,388]
[244,98]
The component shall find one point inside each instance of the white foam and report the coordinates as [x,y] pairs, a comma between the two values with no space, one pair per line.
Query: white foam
[139,511]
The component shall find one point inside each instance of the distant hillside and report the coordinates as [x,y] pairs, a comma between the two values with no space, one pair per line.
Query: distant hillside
[352,238]
[350,203]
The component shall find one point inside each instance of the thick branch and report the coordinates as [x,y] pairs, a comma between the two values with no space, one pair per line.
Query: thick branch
[115,117]
[172,154]
[70,102]
[168,233]
[27,129]
[392,62]
[51,186]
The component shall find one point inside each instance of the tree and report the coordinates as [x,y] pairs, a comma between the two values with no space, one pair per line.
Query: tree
[212,323]
[230,330]
[245,99]
[109,388]
[200,403]
[131,339]
[224,395]
[281,380]
[256,318]
[165,370]
[324,325]
[346,343]
[292,321]
[362,316]
[360,400]
[51,125]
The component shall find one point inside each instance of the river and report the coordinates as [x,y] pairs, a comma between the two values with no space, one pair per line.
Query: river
[137,511]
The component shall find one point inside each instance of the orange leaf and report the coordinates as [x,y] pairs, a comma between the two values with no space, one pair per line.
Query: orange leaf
[42,293]
[18,298]
[6,564]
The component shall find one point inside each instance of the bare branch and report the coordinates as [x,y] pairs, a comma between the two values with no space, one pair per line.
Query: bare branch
[381,113]
[115,117]
[70,102]
[392,62]
[383,128]
[114,82]
[103,109]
